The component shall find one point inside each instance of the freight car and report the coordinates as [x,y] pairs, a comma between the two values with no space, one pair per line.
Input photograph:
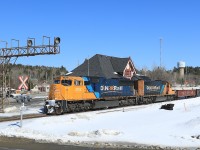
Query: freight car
[187,93]
[198,92]
[71,93]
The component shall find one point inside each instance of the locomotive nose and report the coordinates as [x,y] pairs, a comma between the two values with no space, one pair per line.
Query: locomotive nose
[54,92]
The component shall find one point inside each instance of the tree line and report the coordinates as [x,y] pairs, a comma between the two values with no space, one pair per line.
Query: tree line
[191,77]
[36,74]
[43,74]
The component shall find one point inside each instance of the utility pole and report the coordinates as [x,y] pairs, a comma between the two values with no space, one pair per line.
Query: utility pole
[88,67]
[160,52]
[46,77]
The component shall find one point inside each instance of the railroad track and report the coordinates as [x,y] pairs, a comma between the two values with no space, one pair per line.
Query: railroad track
[25,116]
[115,109]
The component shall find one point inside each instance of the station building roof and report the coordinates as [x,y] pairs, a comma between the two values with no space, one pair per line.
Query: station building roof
[103,66]
[108,67]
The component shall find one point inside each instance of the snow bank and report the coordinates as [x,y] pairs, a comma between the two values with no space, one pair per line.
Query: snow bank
[10,109]
[94,134]
[15,111]
[145,124]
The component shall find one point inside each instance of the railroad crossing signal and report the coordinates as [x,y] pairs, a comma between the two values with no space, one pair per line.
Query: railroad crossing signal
[23,84]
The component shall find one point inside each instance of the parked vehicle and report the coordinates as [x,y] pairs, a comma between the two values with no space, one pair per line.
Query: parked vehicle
[23,98]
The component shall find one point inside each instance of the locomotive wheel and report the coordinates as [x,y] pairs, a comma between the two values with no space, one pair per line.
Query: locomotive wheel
[58,110]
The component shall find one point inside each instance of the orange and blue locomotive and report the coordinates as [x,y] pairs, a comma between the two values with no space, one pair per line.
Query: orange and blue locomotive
[72,93]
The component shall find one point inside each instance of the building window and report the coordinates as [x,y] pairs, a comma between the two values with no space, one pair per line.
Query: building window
[128,73]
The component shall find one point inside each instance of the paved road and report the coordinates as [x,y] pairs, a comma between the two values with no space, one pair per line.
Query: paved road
[7,143]
[37,100]
[24,144]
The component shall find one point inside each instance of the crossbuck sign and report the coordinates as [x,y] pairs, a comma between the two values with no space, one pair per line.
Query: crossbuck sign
[23,84]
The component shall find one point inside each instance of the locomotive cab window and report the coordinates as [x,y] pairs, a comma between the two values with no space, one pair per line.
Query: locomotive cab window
[56,81]
[77,83]
[86,82]
[66,82]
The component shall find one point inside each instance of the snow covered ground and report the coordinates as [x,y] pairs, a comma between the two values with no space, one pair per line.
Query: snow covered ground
[145,124]
[33,107]
[15,110]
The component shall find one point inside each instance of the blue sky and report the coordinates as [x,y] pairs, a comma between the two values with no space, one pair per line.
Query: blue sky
[120,28]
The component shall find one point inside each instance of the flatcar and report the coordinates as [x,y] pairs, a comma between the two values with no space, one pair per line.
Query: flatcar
[73,94]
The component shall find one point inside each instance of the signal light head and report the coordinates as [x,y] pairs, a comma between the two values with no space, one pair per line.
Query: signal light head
[29,43]
[56,40]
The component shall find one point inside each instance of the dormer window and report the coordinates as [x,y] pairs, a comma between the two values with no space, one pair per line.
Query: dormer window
[129,70]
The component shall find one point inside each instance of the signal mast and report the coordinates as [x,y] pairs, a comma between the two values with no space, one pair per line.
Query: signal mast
[8,55]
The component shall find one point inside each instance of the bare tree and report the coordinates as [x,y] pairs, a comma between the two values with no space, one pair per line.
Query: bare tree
[160,74]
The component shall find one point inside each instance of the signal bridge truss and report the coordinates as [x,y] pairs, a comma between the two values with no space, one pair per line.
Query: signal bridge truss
[10,55]
[29,51]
